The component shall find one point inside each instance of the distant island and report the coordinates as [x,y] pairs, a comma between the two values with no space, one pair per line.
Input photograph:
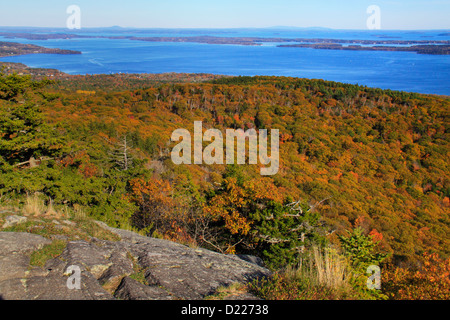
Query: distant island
[421,49]
[8,49]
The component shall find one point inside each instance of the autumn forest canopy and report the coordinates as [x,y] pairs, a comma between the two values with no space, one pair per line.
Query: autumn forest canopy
[356,163]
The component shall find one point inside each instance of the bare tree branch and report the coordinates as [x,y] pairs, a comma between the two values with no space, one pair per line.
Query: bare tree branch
[33,162]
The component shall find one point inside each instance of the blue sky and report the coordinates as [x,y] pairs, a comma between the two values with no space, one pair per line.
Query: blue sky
[338,14]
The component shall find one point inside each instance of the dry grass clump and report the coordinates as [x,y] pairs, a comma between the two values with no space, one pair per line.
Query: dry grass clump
[79,213]
[36,206]
[324,267]
[322,274]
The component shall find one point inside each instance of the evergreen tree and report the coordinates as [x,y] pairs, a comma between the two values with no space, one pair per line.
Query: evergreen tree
[24,136]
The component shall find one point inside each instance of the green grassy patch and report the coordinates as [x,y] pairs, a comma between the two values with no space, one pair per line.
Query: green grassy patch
[139,272]
[51,228]
[39,257]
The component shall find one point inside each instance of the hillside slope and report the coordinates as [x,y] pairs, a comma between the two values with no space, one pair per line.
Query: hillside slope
[352,156]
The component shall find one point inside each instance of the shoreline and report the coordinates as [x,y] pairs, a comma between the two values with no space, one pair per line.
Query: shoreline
[146,78]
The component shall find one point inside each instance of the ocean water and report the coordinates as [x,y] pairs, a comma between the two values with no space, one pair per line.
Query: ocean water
[403,71]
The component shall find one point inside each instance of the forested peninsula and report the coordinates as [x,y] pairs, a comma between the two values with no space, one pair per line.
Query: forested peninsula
[8,49]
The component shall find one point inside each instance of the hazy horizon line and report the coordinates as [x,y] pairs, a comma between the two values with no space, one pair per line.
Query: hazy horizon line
[221,28]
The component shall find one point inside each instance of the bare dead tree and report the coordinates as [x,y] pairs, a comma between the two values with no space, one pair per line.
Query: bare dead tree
[121,153]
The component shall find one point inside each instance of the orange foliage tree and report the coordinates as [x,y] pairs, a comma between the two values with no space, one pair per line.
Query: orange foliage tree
[234,205]
[431,282]
[153,197]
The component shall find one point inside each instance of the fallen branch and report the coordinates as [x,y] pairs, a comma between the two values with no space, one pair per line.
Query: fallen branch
[33,162]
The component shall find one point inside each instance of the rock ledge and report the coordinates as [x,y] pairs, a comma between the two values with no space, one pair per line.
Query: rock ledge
[134,268]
